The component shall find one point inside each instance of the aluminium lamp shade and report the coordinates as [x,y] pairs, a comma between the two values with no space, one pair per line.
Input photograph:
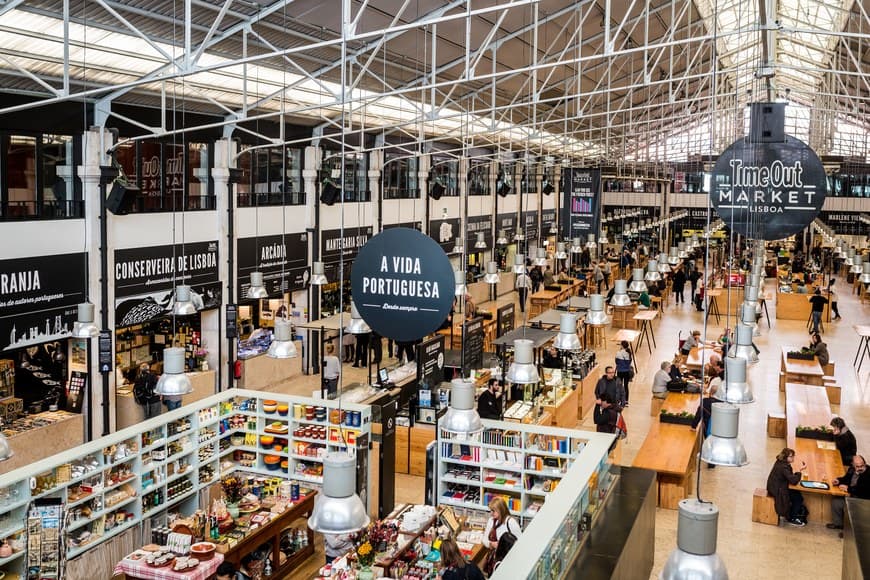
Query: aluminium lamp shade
[620,295]
[554,229]
[560,251]
[318,277]
[682,253]
[652,272]
[84,326]
[338,509]
[637,283]
[673,258]
[282,345]
[541,260]
[458,247]
[519,264]
[694,242]
[737,389]
[722,446]
[865,276]
[695,556]
[743,345]
[356,325]
[502,238]
[523,370]
[173,381]
[749,318]
[480,244]
[856,268]
[520,235]
[602,239]
[590,242]
[461,417]
[567,338]
[596,313]
[183,304]
[257,289]
[491,276]
[459,283]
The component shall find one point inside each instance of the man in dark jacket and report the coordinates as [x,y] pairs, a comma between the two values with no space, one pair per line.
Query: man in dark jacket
[611,386]
[844,439]
[605,415]
[856,482]
[489,403]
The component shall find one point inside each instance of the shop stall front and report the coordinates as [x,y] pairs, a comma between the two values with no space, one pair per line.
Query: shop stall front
[43,372]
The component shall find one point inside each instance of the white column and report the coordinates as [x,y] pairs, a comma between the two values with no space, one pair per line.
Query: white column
[224,159]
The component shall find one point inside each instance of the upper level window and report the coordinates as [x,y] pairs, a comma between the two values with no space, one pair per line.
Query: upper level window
[262,182]
[478,178]
[446,172]
[355,187]
[399,177]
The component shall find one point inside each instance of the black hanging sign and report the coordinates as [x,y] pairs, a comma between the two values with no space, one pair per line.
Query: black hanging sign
[430,363]
[508,223]
[505,318]
[472,345]
[38,298]
[232,320]
[402,284]
[580,201]
[530,224]
[478,224]
[104,343]
[76,390]
[445,232]
[412,225]
[548,217]
[276,257]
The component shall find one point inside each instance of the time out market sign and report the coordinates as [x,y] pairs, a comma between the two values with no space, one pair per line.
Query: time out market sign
[768,191]
[402,284]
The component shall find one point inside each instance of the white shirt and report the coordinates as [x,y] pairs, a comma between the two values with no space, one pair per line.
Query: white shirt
[331,367]
[510,524]
[660,381]
[523,281]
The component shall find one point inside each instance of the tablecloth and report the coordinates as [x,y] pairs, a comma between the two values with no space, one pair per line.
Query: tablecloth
[139,569]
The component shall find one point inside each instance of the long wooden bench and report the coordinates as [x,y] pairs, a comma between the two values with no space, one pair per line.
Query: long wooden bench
[670,450]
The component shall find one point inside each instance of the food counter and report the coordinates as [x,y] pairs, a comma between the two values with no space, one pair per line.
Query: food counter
[128,412]
[263,373]
[792,306]
[561,401]
[42,435]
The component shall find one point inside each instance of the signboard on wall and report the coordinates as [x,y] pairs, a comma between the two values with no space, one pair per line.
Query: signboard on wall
[277,257]
[445,232]
[38,298]
[508,223]
[845,223]
[548,216]
[430,363]
[530,224]
[145,279]
[411,225]
[336,248]
[478,224]
[580,199]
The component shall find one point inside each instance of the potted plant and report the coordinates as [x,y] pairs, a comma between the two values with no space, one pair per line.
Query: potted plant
[802,354]
[821,432]
[233,489]
[365,555]
[201,361]
[681,418]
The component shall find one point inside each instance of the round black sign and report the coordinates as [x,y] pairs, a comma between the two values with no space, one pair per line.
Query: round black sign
[402,284]
[768,191]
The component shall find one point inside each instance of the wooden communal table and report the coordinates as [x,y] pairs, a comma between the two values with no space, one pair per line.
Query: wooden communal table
[271,533]
[863,330]
[671,451]
[807,372]
[645,318]
[698,357]
[676,403]
[544,300]
[807,405]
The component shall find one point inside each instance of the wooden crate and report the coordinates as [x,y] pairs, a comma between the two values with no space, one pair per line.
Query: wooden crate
[11,408]
[763,508]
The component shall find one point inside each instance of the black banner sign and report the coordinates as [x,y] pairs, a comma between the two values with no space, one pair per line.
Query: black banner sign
[478,224]
[232,315]
[274,256]
[530,224]
[580,201]
[335,248]
[505,319]
[38,298]
[548,217]
[445,232]
[430,363]
[104,345]
[845,223]
[472,345]
[508,223]
[410,225]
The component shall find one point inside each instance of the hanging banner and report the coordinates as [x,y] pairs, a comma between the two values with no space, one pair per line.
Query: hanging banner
[145,279]
[278,258]
[845,223]
[768,191]
[336,248]
[478,224]
[430,363]
[445,232]
[530,224]
[38,298]
[402,284]
[580,202]
[508,223]
[548,218]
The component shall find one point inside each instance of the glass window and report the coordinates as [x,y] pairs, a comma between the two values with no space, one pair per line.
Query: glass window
[529,179]
[261,182]
[355,173]
[446,172]
[399,177]
[478,178]
[58,182]
[21,176]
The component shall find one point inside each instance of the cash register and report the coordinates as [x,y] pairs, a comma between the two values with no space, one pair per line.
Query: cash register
[383,379]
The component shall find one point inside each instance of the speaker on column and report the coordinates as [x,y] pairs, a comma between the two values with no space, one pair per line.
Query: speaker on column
[329,193]
[121,198]
[503,189]
[436,191]
[547,189]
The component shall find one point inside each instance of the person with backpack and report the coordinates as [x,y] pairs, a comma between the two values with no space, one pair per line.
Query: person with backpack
[624,370]
[501,532]
[144,391]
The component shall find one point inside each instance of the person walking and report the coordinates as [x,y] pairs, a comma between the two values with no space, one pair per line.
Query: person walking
[679,284]
[624,369]
[832,296]
[818,306]
[144,391]
[523,284]
[331,372]
[598,276]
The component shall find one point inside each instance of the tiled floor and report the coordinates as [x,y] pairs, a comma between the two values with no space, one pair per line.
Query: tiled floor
[749,550]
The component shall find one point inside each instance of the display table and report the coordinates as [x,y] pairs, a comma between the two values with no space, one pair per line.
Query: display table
[128,412]
[138,569]
[55,431]
[670,450]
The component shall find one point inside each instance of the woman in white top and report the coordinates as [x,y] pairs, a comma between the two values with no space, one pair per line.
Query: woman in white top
[331,372]
[500,522]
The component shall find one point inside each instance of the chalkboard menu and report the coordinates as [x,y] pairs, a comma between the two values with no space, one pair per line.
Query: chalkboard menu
[104,344]
[472,345]
[505,319]
[430,363]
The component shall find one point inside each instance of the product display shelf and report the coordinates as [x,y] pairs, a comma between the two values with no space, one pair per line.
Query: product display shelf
[147,452]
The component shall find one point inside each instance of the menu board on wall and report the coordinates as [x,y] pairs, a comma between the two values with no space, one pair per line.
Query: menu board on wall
[430,363]
[478,224]
[472,345]
[38,298]
[445,232]
[76,389]
[505,319]
[278,257]
[145,279]
[580,200]
[336,248]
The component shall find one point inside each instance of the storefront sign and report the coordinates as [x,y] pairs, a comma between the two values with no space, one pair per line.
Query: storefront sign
[508,223]
[337,247]
[768,191]
[478,224]
[412,225]
[38,298]
[580,202]
[402,284]
[548,217]
[845,223]
[505,318]
[145,279]
[430,363]
[530,224]
[445,232]
[279,258]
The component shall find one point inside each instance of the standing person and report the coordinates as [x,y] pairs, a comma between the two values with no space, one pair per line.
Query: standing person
[598,277]
[453,563]
[832,296]
[856,482]
[789,503]
[362,349]
[144,391]
[611,386]
[818,305]
[336,546]
[585,258]
[522,284]
[679,284]
[348,341]
[489,402]
[605,416]
[623,367]
[331,372]
[377,348]
[537,277]
[605,268]
[844,439]
[497,526]
[694,276]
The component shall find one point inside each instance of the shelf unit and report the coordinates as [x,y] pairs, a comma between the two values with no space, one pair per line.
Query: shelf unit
[520,463]
[163,463]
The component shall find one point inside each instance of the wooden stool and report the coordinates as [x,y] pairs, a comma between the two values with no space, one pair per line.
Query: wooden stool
[776,426]
[655,406]
[595,336]
[833,391]
[764,508]
[656,303]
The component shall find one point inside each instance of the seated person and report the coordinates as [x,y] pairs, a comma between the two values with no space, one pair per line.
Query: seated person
[552,360]
[726,339]
[801,288]
[820,349]
[691,342]
[674,371]
[844,439]
[856,481]
[661,380]
[643,301]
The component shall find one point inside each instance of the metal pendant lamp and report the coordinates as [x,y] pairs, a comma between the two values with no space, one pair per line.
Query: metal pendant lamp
[743,346]
[694,242]
[652,272]
[282,341]
[523,370]
[560,251]
[673,258]
[519,263]
[541,260]
[750,296]
[461,417]
[173,381]
[695,556]
[590,241]
[620,295]
[459,283]
[664,265]
[723,447]
[865,276]
[520,236]
[554,229]
[458,246]
[491,276]
[637,282]
[356,325]
[338,509]
[682,253]
[257,289]
[183,305]
[737,389]
[602,238]
[318,277]
[857,267]
[84,326]
[749,318]
[502,238]
[567,338]
[480,244]
[596,313]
